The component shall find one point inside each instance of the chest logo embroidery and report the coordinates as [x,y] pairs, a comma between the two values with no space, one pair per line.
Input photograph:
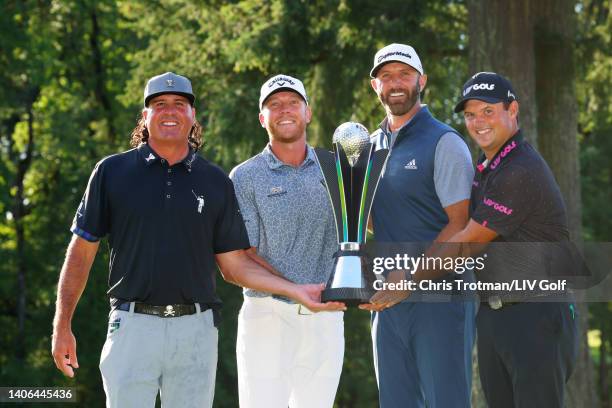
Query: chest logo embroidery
[200,200]
[276,191]
[150,157]
[411,165]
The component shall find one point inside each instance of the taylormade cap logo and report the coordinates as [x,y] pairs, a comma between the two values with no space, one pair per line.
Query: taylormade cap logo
[396,52]
[384,57]
[488,87]
[279,82]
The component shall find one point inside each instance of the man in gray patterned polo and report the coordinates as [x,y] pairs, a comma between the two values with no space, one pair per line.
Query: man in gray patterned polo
[287,355]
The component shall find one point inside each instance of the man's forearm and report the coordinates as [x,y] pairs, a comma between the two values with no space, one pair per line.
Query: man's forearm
[451,229]
[240,269]
[255,278]
[469,241]
[252,253]
[73,278]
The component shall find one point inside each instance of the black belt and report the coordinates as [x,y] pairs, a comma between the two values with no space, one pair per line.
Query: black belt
[163,311]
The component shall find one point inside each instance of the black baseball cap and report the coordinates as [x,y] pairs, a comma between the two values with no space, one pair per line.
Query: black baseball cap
[488,87]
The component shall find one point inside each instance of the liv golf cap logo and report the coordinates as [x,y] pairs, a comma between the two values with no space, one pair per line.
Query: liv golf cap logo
[396,53]
[488,87]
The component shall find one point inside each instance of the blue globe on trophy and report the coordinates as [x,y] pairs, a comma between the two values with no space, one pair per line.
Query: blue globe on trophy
[351,173]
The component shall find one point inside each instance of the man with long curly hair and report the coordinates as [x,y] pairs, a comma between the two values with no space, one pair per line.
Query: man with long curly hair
[170,216]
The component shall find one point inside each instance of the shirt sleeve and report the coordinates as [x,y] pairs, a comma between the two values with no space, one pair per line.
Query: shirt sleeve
[91,221]
[230,234]
[453,170]
[507,200]
[246,201]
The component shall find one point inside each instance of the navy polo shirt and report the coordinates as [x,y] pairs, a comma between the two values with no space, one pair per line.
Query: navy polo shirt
[164,225]
[516,195]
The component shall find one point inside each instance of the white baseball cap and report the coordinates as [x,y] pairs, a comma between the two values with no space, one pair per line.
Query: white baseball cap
[281,82]
[396,53]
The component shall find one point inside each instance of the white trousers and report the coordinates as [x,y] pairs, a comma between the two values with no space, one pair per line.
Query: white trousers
[287,355]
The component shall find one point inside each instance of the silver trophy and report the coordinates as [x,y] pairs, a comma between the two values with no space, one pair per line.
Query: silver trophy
[351,174]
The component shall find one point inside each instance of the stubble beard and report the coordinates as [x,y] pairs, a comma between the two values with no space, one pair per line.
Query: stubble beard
[281,136]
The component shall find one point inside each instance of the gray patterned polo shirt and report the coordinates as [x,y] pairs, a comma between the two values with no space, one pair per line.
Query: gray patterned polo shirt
[287,215]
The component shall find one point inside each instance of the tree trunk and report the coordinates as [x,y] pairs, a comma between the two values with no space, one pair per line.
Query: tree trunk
[19,211]
[99,79]
[557,141]
[500,40]
[531,43]
[603,371]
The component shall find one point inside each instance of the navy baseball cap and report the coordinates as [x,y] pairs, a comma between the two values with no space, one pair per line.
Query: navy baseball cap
[488,87]
[168,83]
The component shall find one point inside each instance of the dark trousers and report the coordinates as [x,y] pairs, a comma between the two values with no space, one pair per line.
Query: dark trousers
[526,353]
[423,354]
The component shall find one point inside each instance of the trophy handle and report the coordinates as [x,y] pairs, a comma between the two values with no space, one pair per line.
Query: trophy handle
[327,166]
[376,165]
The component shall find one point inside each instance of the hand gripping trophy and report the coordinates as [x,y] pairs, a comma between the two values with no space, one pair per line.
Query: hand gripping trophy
[351,174]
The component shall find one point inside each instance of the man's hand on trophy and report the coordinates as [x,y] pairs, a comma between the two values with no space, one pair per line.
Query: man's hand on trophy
[309,295]
[387,298]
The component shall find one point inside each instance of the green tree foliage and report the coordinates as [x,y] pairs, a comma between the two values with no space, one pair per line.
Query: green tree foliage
[58,103]
[72,75]
[595,126]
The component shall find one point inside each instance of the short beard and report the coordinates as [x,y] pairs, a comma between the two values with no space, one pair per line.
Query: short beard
[399,109]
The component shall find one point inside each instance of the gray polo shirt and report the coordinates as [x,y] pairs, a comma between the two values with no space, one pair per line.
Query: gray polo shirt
[287,215]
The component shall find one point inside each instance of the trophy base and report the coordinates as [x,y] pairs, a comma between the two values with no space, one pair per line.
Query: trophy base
[348,296]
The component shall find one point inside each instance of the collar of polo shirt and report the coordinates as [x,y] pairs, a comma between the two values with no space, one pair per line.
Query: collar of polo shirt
[505,150]
[274,162]
[150,156]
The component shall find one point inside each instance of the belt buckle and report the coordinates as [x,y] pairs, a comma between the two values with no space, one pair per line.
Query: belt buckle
[303,310]
[169,311]
[495,302]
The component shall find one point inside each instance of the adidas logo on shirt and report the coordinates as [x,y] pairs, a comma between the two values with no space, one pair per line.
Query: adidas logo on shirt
[411,165]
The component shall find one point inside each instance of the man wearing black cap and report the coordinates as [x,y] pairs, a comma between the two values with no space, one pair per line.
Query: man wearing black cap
[170,216]
[287,356]
[526,349]
[422,348]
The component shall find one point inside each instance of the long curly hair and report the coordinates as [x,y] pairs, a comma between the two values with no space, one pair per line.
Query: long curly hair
[140,134]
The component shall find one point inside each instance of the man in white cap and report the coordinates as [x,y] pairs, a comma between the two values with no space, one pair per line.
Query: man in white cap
[423,346]
[287,355]
[170,216]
